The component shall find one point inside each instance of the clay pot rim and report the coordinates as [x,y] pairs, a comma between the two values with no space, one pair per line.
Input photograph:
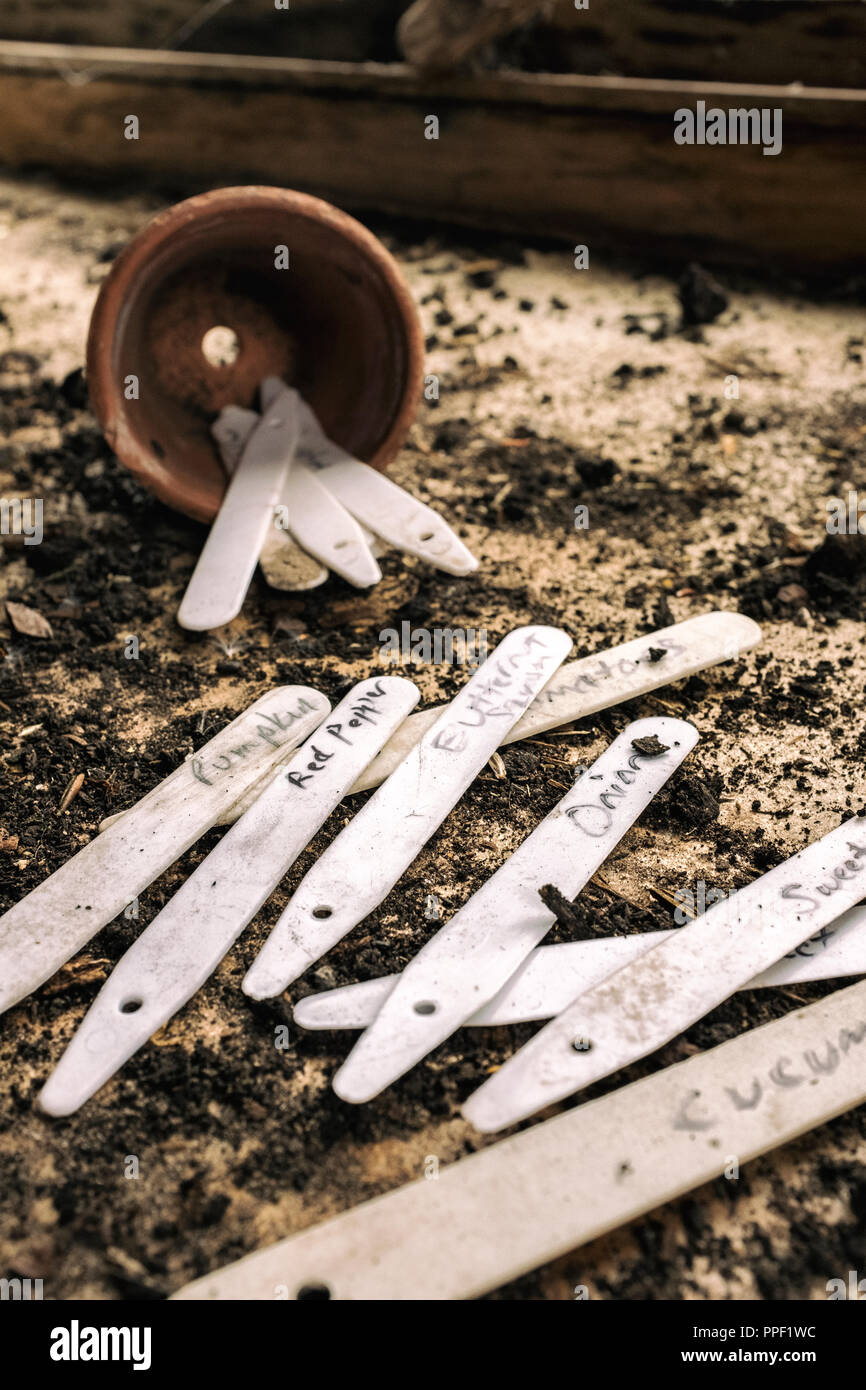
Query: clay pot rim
[106,396]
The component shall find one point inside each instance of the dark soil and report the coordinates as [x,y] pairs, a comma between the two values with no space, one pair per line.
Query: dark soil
[239,1142]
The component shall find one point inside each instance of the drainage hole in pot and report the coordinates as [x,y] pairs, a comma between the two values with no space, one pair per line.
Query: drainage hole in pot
[221,346]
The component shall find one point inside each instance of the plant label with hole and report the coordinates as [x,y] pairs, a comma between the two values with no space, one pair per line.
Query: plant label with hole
[225,567]
[184,944]
[326,530]
[382,506]
[533,1197]
[269,389]
[473,956]
[596,682]
[362,865]
[60,916]
[648,1002]
[284,564]
[552,977]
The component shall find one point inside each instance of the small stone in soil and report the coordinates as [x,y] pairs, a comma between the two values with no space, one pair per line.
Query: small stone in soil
[701,296]
[649,747]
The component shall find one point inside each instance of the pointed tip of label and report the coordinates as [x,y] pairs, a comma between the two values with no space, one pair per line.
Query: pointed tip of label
[484,1115]
[466,564]
[256,984]
[353,1094]
[501,1101]
[55,1101]
[303,1017]
[195,618]
[365,574]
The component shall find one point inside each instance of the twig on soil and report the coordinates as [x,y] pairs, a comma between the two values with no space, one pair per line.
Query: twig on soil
[663,896]
[602,882]
[73,787]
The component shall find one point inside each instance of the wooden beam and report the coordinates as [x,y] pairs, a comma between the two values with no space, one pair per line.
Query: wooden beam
[348,30]
[815,42]
[585,159]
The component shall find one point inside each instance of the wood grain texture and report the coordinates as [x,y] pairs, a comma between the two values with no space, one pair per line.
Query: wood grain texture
[350,30]
[814,42]
[588,159]
[817,43]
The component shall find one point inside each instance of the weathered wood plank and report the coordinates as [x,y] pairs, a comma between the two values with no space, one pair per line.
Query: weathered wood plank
[586,159]
[818,42]
[81,65]
[349,30]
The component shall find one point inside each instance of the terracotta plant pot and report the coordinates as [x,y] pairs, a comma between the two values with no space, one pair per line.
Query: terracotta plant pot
[339,324]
